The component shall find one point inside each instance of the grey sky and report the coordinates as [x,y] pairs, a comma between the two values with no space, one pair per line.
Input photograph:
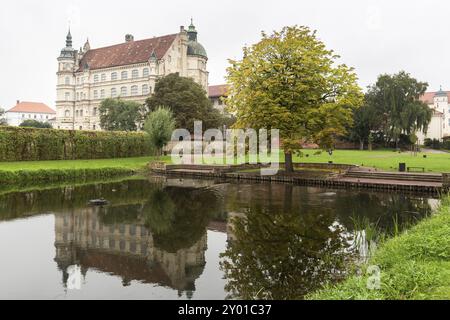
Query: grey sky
[372,36]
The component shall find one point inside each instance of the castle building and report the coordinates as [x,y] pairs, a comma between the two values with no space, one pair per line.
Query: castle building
[128,70]
[439,127]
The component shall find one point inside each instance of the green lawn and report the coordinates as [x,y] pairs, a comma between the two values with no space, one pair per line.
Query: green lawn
[384,159]
[125,163]
[381,159]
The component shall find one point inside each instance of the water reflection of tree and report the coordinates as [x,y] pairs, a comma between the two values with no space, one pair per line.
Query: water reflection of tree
[280,256]
[381,209]
[193,211]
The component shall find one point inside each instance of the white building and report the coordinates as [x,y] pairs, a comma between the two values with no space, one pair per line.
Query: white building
[128,70]
[29,111]
[440,122]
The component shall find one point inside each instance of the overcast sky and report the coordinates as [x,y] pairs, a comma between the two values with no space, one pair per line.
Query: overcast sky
[372,36]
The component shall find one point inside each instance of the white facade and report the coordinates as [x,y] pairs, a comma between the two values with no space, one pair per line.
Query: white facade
[440,123]
[82,86]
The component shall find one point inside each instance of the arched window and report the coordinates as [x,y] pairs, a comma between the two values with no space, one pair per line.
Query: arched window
[102,93]
[113,93]
[134,90]
[124,75]
[123,91]
[67,113]
[95,94]
[96,78]
[81,113]
[67,81]
[77,113]
[135,74]
[94,112]
[67,96]
[145,73]
[113,76]
[145,89]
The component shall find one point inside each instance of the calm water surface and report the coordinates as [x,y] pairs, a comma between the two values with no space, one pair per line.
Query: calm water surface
[185,239]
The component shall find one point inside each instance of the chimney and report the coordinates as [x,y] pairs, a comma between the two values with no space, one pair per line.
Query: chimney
[18,101]
[181,29]
[129,38]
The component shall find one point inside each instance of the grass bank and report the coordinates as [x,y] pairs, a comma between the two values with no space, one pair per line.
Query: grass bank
[26,172]
[414,265]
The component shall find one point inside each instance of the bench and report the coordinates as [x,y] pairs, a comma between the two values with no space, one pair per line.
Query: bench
[413,169]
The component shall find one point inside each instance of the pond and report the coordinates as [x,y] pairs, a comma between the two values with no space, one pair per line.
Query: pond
[164,238]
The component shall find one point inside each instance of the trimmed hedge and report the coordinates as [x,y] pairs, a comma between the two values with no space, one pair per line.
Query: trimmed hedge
[30,144]
[61,175]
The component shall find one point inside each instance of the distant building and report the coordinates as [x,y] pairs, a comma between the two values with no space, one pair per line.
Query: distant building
[128,70]
[216,94]
[29,111]
[440,122]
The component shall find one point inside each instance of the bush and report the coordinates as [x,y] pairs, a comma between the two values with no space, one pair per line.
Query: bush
[29,144]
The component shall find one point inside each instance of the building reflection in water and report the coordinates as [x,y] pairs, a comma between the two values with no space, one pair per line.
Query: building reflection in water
[138,242]
[125,250]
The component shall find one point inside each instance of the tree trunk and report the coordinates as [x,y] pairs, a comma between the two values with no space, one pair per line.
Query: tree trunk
[370,147]
[361,145]
[288,165]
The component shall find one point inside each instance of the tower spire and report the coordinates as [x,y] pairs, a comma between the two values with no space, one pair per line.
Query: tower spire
[192,32]
[69,39]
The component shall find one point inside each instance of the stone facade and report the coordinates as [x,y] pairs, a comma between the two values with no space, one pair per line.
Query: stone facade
[128,70]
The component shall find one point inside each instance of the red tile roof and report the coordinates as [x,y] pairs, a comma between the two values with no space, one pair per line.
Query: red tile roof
[428,97]
[32,107]
[126,53]
[218,91]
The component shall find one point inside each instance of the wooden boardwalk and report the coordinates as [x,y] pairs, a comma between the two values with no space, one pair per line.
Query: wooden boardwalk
[351,178]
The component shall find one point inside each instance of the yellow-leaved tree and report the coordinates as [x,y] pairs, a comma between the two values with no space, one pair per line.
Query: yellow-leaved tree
[290,81]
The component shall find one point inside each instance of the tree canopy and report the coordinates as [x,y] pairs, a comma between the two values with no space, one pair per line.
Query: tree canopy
[121,115]
[187,100]
[392,113]
[35,124]
[291,82]
[396,101]
[159,125]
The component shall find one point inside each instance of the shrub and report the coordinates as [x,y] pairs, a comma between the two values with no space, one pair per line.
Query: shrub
[29,144]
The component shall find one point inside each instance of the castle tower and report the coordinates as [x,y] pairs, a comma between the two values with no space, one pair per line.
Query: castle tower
[65,92]
[197,58]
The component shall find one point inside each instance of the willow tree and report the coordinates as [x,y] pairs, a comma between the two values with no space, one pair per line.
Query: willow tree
[290,81]
[397,99]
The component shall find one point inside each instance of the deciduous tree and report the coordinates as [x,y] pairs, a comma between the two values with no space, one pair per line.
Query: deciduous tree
[397,99]
[290,81]
[188,101]
[121,115]
[159,125]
